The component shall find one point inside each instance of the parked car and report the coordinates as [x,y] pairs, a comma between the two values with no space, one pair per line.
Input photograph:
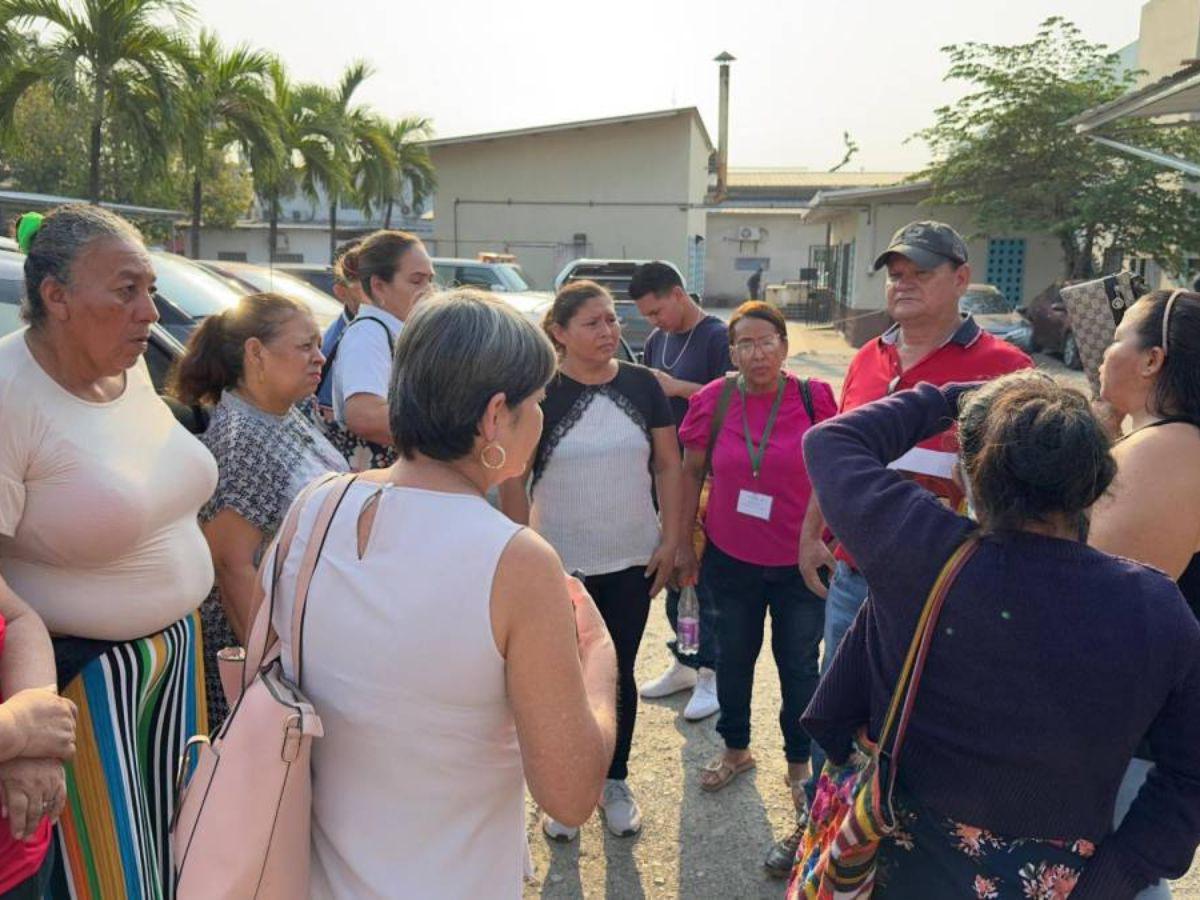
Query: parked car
[615,275]
[534,307]
[251,278]
[501,277]
[1051,325]
[319,276]
[186,292]
[996,314]
[160,355]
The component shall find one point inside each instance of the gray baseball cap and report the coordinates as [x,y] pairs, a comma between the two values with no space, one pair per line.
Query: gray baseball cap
[928,244]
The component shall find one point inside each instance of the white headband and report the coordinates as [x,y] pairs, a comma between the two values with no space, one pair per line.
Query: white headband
[1167,319]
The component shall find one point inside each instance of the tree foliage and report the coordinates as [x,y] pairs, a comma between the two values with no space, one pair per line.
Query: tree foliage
[1004,149]
[122,57]
[223,103]
[119,99]
[47,152]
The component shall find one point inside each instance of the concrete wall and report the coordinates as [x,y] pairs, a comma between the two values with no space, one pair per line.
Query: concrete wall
[312,244]
[1169,34]
[785,243]
[538,190]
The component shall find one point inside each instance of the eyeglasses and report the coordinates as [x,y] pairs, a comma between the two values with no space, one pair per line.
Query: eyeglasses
[768,344]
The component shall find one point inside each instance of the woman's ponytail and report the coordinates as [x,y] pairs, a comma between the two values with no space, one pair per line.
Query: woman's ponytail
[215,359]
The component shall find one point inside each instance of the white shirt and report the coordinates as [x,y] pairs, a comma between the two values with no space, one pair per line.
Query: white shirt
[594,501]
[418,787]
[98,503]
[364,358]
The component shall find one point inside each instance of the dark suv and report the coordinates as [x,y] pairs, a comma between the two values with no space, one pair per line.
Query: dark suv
[164,349]
[615,275]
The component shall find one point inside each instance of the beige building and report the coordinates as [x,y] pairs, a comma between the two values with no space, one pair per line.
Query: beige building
[760,222]
[859,223]
[631,187]
[1168,36]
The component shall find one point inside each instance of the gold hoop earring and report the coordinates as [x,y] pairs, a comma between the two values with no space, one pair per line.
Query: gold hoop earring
[483,457]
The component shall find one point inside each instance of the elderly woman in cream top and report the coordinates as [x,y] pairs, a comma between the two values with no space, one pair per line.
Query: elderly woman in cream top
[99,492]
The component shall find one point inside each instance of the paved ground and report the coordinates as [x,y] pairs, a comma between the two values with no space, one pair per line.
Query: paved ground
[698,845]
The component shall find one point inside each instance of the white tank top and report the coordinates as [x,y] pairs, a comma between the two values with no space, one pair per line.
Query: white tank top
[418,789]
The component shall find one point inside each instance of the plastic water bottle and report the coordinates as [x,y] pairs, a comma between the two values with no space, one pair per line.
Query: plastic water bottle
[687,631]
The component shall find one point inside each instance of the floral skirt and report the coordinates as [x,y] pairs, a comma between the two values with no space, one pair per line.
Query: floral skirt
[931,856]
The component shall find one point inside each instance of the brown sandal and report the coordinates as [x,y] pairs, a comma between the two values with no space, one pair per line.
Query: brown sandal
[722,773]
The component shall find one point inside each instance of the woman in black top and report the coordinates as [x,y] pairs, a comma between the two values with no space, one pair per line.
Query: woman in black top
[608,444]
[1151,373]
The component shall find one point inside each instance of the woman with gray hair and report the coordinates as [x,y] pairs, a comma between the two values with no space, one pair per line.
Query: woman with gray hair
[99,492]
[448,654]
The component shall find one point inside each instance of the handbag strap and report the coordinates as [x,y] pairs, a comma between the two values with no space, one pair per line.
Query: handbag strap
[905,692]
[308,565]
[718,419]
[262,642]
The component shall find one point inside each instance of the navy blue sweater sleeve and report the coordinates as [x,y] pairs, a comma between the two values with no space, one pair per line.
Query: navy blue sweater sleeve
[898,533]
[1158,837]
[841,704]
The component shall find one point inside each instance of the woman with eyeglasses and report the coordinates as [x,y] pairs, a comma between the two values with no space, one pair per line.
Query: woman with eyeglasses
[759,493]
[1151,373]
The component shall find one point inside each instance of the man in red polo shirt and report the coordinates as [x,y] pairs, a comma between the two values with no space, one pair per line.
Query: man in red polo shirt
[927,273]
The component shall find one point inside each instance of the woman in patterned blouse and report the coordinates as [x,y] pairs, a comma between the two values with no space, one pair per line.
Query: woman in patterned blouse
[256,361]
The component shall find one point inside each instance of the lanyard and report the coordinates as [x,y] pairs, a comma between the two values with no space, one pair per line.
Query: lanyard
[757,453]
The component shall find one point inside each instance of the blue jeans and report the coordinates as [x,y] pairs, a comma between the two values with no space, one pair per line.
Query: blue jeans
[706,657]
[1135,777]
[743,592]
[847,594]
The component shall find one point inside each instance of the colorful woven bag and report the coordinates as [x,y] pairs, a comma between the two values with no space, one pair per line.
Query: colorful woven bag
[852,808]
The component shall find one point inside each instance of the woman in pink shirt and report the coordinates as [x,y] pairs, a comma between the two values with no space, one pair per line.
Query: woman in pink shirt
[756,504]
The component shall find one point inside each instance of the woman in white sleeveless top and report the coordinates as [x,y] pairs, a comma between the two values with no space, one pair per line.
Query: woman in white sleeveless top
[440,637]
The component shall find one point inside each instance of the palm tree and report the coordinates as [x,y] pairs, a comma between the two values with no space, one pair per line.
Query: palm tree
[123,56]
[413,170]
[360,142]
[302,154]
[224,103]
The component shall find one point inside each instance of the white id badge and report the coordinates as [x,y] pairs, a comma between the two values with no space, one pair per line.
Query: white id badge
[756,505]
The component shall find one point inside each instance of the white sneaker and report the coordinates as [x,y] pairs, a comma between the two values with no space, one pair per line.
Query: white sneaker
[557,831]
[704,698]
[677,678]
[621,813]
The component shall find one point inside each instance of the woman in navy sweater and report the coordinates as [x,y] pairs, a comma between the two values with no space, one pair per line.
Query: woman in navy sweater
[1051,660]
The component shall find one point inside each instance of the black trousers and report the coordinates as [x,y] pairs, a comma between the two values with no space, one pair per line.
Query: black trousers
[623,599]
[744,593]
[34,887]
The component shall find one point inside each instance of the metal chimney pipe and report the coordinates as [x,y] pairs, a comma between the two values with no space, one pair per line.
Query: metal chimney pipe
[723,126]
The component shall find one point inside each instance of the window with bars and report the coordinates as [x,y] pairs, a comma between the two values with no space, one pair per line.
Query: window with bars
[1006,266]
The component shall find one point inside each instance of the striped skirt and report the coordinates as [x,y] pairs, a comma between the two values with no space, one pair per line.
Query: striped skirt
[139,702]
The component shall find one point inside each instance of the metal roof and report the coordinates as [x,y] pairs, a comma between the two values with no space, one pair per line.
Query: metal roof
[807,178]
[829,204]
[20,198]
[861,196]
[1174,95]
[572,126]
[1177,94]
[793,211]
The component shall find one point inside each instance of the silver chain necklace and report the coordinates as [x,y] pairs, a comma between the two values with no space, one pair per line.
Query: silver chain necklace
[662,357]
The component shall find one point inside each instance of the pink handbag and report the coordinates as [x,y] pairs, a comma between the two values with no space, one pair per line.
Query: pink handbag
[242,820]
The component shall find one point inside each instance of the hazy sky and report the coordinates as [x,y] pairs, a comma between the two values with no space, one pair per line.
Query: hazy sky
[806,70]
